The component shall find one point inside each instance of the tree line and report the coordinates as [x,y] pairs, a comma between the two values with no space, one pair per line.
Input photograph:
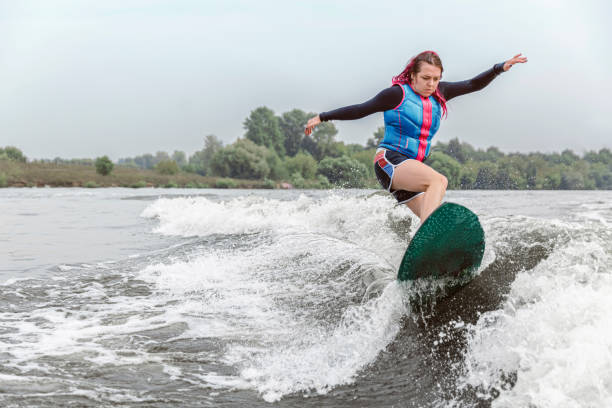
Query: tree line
[275,148]
[469,168]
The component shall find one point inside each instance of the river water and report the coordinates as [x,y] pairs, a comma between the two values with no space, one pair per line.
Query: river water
[234,298]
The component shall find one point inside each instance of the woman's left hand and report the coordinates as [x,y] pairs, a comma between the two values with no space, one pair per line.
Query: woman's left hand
[312,123]
[516,59]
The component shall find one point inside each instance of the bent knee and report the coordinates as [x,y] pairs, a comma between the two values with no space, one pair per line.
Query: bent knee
[438,180]
[444,181]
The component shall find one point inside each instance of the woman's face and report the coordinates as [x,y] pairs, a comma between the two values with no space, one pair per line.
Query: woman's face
[426,80]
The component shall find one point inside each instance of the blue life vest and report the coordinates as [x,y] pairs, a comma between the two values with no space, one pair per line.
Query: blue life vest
[410,127]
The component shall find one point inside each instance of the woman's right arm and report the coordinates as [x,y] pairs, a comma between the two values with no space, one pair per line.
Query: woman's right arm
[386,99]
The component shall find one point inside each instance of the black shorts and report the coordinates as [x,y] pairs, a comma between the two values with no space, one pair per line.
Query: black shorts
[385,162]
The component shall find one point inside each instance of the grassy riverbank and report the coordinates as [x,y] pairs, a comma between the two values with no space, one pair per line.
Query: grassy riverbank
[35,174]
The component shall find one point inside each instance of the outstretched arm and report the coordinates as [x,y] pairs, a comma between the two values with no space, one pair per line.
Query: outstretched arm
[453,89]
[386,99]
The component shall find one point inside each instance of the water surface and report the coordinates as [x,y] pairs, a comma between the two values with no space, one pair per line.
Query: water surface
[164,298]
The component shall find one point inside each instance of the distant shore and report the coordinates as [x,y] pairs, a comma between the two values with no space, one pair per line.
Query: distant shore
[471,169]
[17,174]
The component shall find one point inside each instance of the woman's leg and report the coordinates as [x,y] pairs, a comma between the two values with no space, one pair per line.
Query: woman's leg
[416,204]
[412,175]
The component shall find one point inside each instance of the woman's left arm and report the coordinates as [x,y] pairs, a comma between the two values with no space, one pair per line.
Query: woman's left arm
[453,89]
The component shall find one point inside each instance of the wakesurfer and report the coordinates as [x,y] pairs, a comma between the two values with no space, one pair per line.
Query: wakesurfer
[413,107]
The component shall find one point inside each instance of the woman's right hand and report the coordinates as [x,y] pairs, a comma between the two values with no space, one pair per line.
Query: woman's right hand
[312,122]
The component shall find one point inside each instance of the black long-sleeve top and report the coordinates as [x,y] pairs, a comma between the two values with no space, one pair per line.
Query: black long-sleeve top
[390,97]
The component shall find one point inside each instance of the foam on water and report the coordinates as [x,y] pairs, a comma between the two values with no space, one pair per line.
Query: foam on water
[297,296]
[365,221]
[551,343]
[321,360]
[279,346]
[297,299]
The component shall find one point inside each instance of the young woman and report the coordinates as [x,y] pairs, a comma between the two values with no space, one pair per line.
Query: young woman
[413,107]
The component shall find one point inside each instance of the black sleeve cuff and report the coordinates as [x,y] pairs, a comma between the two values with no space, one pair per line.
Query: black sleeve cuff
[499,68]
[323,116]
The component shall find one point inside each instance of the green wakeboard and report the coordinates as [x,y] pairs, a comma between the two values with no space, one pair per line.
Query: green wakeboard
[450,243]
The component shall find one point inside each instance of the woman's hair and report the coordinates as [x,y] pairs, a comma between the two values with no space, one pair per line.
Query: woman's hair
[414,66]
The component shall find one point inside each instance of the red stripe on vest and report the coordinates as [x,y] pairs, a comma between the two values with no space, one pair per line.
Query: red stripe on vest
[399,122]
[425,128]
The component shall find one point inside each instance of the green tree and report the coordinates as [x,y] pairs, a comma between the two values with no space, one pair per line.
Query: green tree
[467,178]
[292,125]
[309,146]
[494,154]
[146,161]
[168,167]
[324,138]
[462,152]
[604,156]
[366,157]
[568,157]
[455,150]
[160,156]
[571,180]
[199,162]
[12,153]
[582,167]
[276,165]
[127,162]
[104,165]
[552,180]
[447,166]
[343,171]
[242,159]
[338,149]
[486,177]
[531,176]
[352,148]
[303,164]
[504,181]
[379,135]
[180,158]
[263,128]
[297,180]
[591,156]
[554,158]
[601,175]
[511,172]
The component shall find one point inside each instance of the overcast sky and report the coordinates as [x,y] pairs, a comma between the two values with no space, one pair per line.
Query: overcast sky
[85,78]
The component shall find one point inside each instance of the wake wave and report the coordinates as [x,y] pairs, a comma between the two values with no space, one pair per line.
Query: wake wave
[296,297]
[296,300]
[550,343]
